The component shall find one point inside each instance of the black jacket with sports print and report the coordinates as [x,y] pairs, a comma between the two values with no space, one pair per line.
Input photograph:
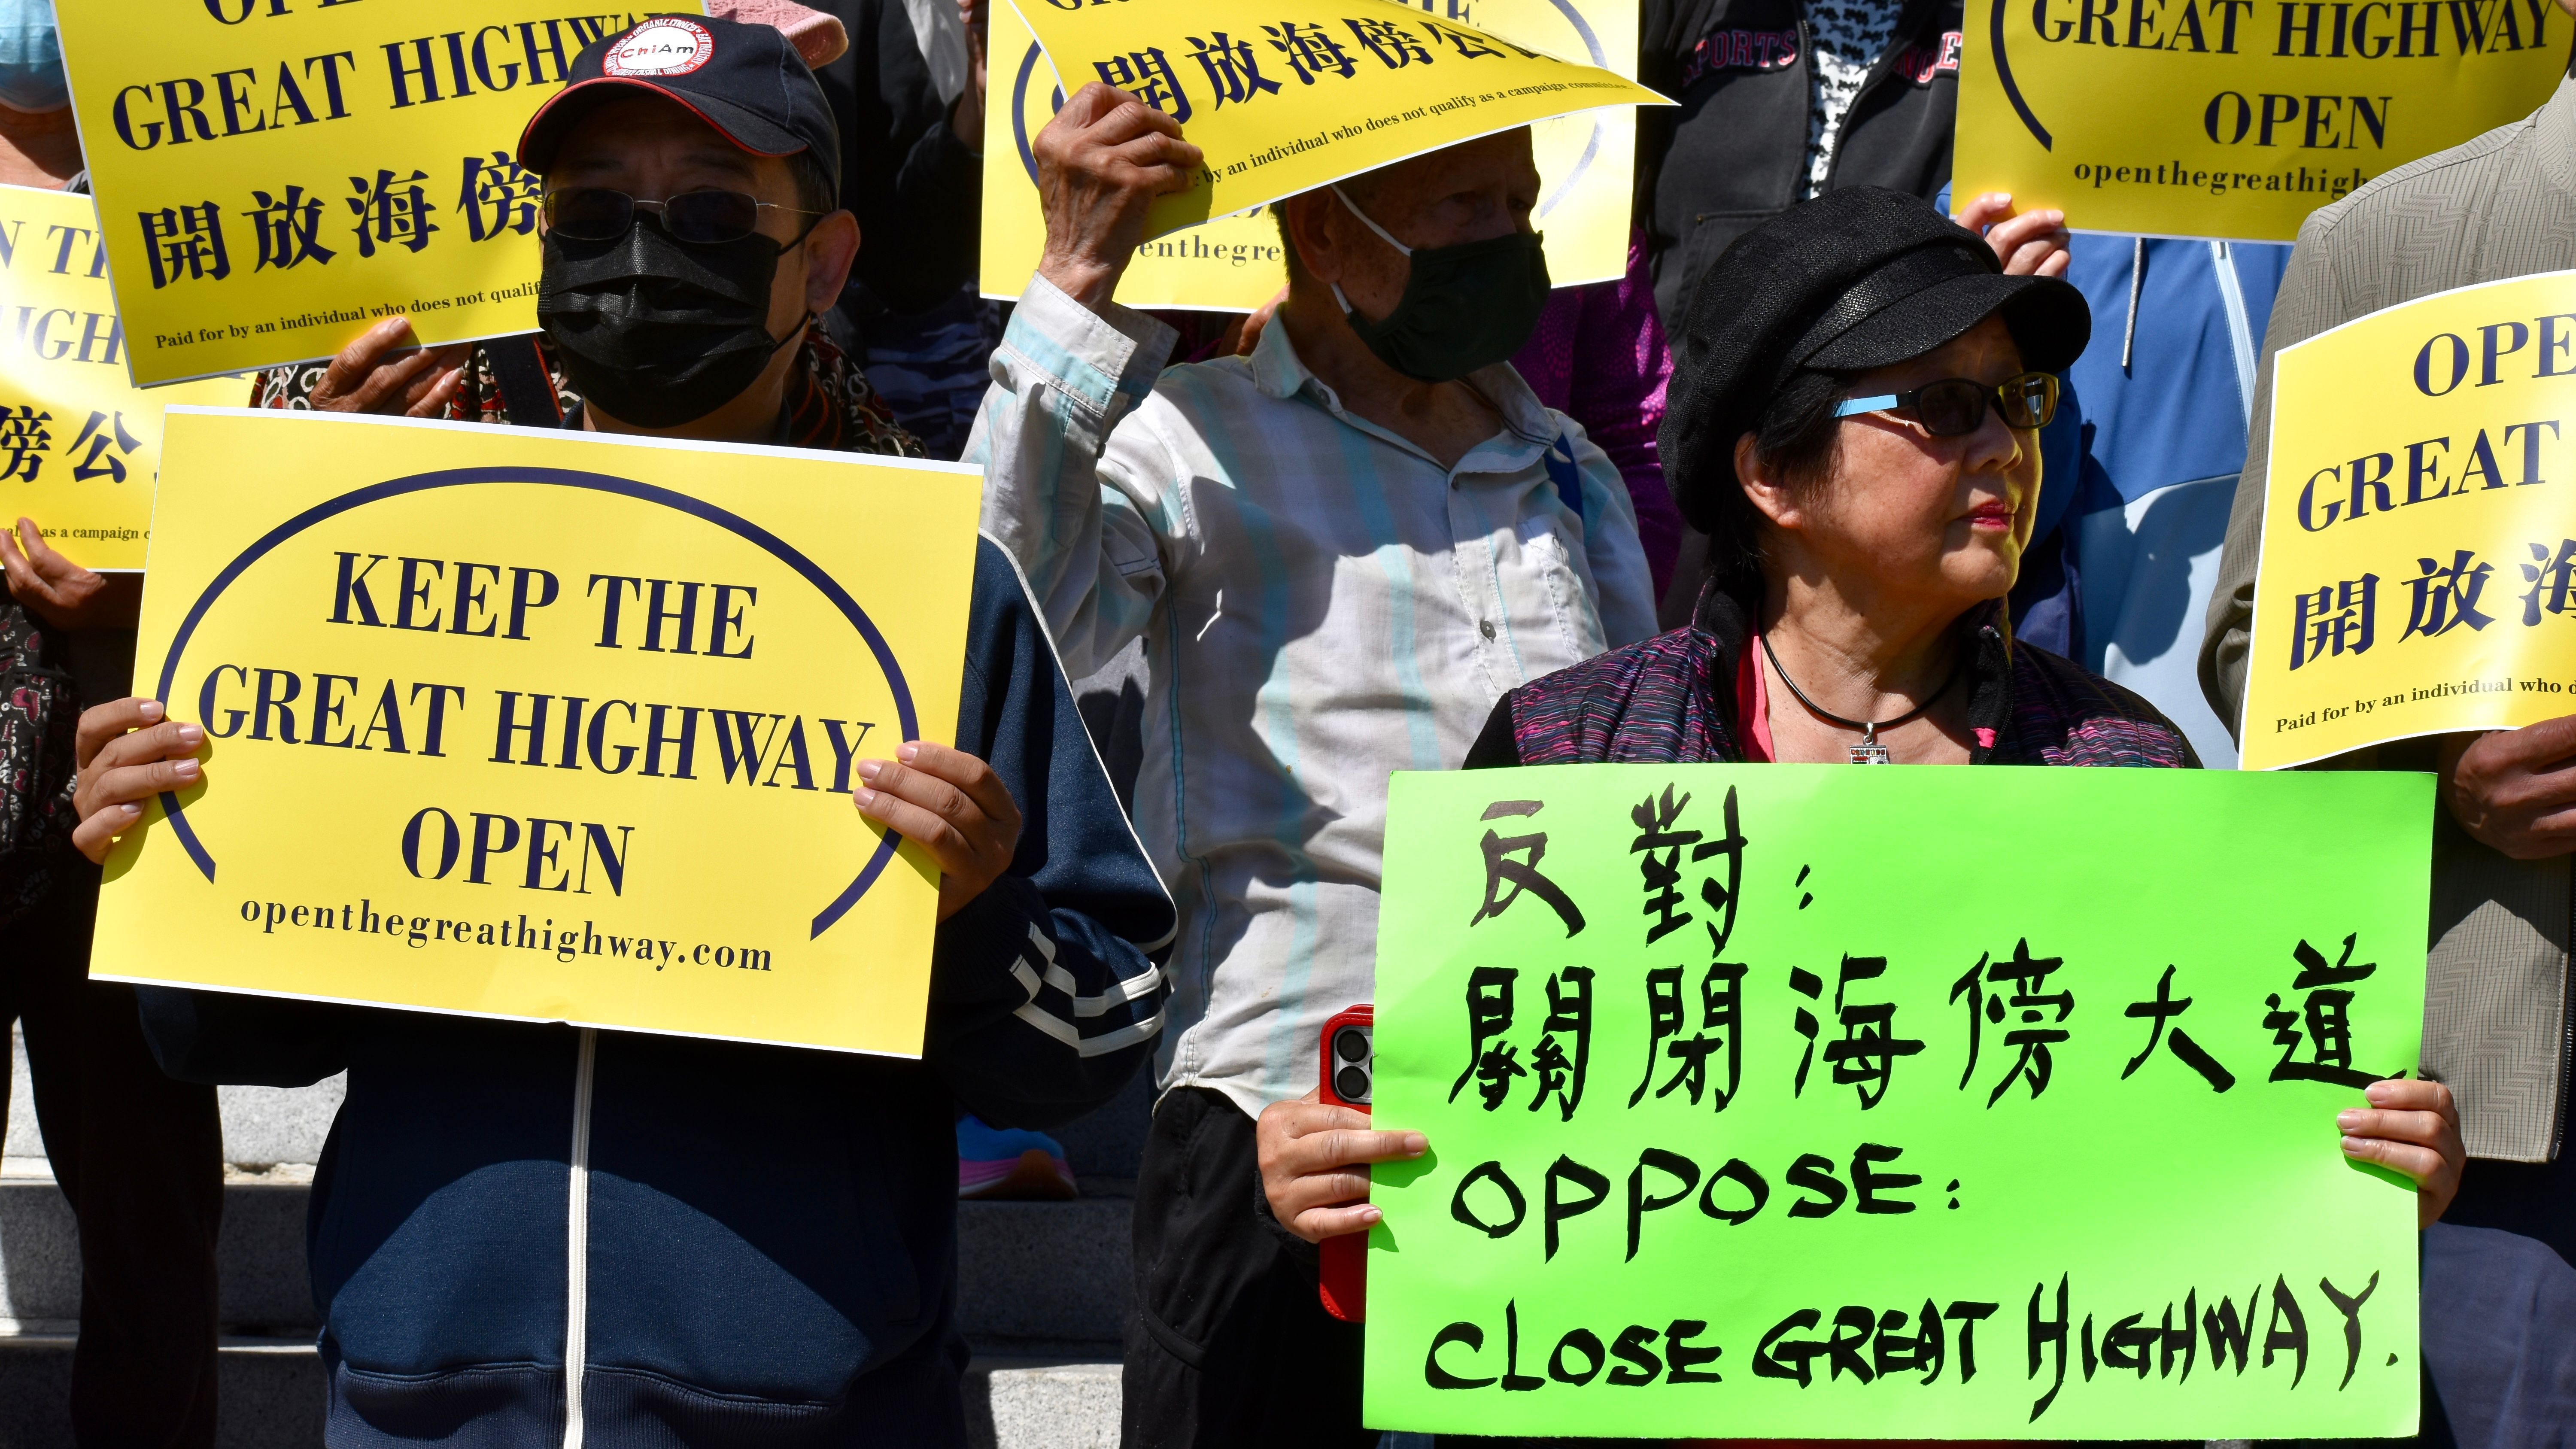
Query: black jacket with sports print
[1733,154]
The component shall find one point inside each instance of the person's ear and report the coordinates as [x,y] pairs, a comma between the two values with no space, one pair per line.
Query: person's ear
[1770,493]
[1311,217]
[831,249]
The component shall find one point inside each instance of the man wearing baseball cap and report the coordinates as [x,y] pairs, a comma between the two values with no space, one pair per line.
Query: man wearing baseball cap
[536,1234]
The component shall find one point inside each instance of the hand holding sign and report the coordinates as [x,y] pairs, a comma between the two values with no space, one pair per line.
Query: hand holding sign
[952,805]
[1314,1165]
[376,374]
[2031,244]
[1101,163]
[2414,1128]
[2514,791]
[128,752]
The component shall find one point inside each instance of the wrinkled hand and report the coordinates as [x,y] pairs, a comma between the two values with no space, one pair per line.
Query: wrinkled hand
[2031,245]
[2515,790]
[1101,162]
[952,805]
[1308,1153]
[61,592]
[2412,1127]
[126,753]
[379,374]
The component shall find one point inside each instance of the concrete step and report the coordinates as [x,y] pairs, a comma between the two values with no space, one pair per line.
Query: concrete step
[1023,1403]
[259,1257]
[1043,1274]
[269,1395]
[268,1392]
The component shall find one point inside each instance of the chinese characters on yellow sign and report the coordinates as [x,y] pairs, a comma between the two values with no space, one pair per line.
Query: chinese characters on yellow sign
[1316,91]
[2419,554]
[542,725]
[79,443]
[2232,118]
[274,177]
[1236,262]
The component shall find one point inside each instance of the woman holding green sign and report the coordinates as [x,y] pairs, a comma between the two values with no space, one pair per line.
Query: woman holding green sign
[1854,423]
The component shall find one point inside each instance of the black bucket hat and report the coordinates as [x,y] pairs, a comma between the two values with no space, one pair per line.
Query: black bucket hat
[745,80]
[1855,279]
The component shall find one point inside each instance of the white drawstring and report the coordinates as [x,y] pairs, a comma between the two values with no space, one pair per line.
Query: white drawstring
[2137,276]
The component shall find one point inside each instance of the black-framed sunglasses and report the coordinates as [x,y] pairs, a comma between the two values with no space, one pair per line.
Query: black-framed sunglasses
[595,213]
[1956,406]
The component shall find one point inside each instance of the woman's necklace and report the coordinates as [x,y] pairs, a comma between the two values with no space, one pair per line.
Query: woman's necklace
[1869,751]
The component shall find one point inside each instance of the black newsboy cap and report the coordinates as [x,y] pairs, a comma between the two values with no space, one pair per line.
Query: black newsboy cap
[1855,279]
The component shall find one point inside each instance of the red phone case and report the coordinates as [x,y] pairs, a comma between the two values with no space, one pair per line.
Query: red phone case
[1345,1259]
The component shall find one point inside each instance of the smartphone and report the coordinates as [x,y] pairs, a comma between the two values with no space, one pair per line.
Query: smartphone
[1349,1067]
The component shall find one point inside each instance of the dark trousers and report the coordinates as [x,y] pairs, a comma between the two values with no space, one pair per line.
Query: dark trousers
[141,1158]
[2499,1338]
[1227,1346]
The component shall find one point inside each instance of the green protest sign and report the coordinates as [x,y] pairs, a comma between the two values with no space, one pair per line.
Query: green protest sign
[1804,1101]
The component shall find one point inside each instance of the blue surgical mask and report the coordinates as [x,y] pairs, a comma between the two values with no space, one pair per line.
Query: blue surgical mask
[31,58]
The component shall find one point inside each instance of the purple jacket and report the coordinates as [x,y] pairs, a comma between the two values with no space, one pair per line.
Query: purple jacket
[1599,357]
[1671,699]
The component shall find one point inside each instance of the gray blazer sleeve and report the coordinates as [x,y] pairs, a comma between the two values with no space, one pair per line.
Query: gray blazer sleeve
[2312,299]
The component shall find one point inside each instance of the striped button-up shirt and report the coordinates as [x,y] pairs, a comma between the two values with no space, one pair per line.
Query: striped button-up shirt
[1322,603]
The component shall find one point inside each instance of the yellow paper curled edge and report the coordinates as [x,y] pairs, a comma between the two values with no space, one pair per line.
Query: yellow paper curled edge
[1305,93]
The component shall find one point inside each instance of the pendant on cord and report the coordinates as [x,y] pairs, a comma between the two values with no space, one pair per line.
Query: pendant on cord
[1869,751]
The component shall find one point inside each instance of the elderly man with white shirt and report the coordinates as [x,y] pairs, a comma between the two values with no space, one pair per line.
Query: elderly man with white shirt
[1340,550]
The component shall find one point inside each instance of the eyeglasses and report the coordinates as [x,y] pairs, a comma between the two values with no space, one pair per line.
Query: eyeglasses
[594,213]
[1956,406]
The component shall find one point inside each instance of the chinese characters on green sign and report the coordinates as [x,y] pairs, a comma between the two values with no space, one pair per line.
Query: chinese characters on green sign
[1785,1101]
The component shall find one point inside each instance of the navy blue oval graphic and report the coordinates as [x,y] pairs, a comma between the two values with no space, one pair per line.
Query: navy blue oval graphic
[777,547]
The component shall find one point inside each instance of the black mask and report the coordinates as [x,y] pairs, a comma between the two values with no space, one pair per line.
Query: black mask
[1464,307]
[656,333]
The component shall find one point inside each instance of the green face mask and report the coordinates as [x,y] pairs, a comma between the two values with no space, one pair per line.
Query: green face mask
[1464,307]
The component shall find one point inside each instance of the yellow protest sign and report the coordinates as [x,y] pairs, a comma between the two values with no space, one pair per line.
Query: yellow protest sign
[274,177]
[1234,263]
[2418,572]
[79,444]
[2222,118]
[543,725]
[1305,92]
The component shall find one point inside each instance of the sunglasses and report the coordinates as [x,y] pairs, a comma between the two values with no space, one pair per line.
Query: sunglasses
[594,213]
[1956,406]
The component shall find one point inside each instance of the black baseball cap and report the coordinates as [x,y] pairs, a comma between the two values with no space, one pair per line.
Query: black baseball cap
[746,81]
[1854,279]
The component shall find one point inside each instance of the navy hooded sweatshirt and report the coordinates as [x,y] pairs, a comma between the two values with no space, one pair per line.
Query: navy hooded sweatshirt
[702,1242]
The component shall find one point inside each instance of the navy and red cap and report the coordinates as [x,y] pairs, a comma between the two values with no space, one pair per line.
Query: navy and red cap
[746,81]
